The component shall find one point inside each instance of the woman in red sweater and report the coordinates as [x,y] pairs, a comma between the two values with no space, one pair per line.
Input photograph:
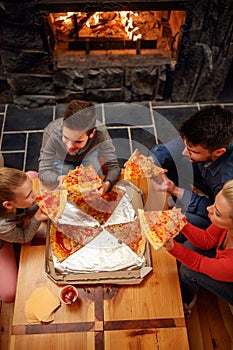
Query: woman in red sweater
[207,257]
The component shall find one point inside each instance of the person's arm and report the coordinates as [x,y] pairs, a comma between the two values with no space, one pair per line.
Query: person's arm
[107,152]
[203,239]
[47,175]
[219,268]
[195,203]
[10,232]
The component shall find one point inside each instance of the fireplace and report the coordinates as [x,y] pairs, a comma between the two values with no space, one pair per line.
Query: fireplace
[121,55]
[117,32]
[108,51]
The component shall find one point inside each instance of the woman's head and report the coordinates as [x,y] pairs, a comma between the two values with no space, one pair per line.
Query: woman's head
[15,190]
[221,212]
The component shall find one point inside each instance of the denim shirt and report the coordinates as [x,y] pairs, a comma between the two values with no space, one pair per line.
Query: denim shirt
[209,177]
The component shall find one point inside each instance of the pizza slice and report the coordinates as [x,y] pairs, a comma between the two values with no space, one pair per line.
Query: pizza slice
[99,207]
[130,234]
[139,166]
[159,226]
[105,203]
[61,245]
[52,203]
[82,179]
[82,204]
[80,234]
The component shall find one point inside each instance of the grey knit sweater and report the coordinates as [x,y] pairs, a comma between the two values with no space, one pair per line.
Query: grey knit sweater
[54,148]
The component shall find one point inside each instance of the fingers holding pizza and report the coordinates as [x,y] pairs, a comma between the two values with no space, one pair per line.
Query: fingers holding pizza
[60,180]
[40,215]
[169,244]
[104,188]
[164,184]
[160,227]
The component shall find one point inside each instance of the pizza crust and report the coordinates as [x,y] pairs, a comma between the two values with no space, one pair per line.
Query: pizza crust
[139,166]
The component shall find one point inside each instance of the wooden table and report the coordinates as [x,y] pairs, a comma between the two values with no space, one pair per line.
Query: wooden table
[145,316]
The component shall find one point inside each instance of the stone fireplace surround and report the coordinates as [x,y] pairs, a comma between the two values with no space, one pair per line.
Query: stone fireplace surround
[32,75]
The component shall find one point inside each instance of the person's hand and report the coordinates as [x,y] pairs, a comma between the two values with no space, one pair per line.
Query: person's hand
[160,183]
[164,184]
[40,215]
[104,188]
[169,245]
[60,180]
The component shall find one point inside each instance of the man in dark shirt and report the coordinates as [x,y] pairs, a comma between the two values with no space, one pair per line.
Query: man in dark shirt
[206,140]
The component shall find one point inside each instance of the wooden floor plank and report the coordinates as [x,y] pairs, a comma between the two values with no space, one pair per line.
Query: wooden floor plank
[212,321]
[227,318]
[193,325]
[5,324]
[221,339]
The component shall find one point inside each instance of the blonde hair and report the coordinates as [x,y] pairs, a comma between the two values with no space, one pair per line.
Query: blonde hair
[227,192]
[10,179]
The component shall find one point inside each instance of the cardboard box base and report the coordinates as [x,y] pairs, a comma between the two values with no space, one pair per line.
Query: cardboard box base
[114,277]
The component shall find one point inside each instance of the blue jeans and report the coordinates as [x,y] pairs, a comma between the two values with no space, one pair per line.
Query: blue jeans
[62,167]
[190,280]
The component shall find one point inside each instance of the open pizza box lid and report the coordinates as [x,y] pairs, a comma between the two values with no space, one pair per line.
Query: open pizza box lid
[122,277]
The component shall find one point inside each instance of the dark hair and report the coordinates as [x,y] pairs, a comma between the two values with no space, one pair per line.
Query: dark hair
[80,115]
[75,106]
[211,128]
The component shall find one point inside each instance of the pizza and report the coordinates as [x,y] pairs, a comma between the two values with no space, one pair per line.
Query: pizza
[139,166]
[52,203]
[82,179]
[99,207]
[80,234]
[66,239]
[130,234]
[159,226]
[61,245]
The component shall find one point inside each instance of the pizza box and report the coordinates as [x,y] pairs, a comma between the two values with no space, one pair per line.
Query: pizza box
[122,277]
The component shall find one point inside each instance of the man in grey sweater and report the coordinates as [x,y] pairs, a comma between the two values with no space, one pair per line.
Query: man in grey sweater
[76,139]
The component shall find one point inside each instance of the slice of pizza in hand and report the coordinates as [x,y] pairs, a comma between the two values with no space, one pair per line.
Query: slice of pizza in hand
[130,234]
[139,166]
[52,203]
[82,179]
[159,226]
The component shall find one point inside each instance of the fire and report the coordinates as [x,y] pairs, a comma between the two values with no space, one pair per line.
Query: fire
[102,20]
[127,21]
[66,17]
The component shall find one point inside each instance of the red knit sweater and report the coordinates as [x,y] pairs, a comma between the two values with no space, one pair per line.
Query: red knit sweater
[220,267]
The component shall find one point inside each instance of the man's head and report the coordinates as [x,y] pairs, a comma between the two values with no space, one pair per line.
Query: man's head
[207,133]
[78,124]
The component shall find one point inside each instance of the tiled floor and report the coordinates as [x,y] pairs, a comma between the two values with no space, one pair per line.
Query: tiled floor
[130,126]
